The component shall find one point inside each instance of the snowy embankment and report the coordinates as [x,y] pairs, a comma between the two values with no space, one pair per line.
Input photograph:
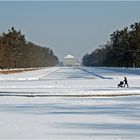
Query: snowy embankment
[27,75]
[123,70]
[63,81]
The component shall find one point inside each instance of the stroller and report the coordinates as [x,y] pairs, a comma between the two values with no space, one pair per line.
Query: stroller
[121,84]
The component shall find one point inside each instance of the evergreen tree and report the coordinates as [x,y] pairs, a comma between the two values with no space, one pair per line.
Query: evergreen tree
[15,52]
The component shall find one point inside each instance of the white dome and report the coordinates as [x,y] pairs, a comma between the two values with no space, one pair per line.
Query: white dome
[69,56]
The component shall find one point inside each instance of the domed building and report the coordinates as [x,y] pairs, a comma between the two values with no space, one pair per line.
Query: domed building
[69,61]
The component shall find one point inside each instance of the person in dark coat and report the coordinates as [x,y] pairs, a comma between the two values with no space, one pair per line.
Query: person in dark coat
[125,82]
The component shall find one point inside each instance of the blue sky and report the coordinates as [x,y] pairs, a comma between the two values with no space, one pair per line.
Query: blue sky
[68,27]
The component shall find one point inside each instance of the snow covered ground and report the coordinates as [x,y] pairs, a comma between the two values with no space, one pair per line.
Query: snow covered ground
[68,81]
[70,104]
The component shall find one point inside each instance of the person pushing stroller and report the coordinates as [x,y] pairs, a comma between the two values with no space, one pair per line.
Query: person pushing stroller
[125,82]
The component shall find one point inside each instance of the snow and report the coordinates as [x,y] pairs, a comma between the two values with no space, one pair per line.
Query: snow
[77,103]
[70,118]
[68,81]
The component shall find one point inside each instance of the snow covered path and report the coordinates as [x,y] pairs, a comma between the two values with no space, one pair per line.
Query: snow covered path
[68,81]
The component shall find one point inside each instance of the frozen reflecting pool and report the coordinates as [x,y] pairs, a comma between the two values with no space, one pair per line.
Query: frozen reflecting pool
[70,118]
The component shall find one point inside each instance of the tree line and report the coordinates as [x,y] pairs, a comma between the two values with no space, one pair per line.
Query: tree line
[122,50]
[16,52]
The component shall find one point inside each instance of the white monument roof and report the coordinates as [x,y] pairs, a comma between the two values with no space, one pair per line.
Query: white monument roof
[69,56]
